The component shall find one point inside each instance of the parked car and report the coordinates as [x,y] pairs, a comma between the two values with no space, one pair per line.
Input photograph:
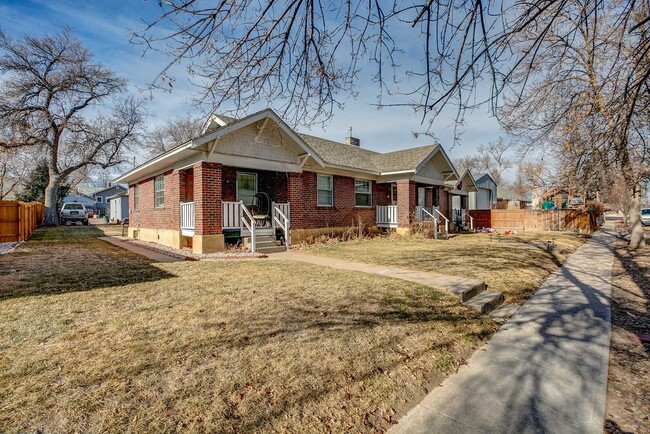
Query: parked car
[645,216]
[74,212]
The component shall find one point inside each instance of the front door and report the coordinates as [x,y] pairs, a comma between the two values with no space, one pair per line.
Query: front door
[246,187]
[420,196]
[393,193]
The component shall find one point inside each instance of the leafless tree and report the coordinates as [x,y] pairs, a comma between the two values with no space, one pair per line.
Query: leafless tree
[532,175]
[172,133]
[493,158]
[587,98]
[49,89]
[15,165]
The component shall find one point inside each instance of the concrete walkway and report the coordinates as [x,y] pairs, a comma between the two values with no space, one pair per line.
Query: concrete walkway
[545,371]
[155,256]
[452,284]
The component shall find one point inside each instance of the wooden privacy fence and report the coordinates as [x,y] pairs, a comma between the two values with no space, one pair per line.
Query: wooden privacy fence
[537,220]
[18,220]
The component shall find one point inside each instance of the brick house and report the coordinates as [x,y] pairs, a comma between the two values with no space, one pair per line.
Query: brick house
[213,188]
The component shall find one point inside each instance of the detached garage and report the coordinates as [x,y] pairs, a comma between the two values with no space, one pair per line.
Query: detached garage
[118,207]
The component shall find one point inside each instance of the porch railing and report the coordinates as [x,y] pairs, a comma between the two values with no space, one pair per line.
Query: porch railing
[386,216]
[250,224]
[281,220]
[437,211]
[424,214]
[187,218]
[231,215]
[462,217]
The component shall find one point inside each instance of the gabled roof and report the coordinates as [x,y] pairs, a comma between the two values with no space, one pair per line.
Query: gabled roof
[326,153]
[343,155]
[109,188]
[505,194]
[480,177]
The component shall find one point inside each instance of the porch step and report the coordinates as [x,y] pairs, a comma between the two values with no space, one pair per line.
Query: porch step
[485,302]
[265,244]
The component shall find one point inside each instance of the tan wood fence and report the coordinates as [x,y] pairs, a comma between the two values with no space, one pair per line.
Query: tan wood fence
[18,220]
[585,221]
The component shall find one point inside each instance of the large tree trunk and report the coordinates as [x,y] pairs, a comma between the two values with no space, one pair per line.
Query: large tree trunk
[51,198]
[636,228]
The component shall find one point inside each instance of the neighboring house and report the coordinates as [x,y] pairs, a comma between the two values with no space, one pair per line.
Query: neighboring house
[200,193]
[86,200]
[118,207]
[101,197]
[507,199]
[486,195]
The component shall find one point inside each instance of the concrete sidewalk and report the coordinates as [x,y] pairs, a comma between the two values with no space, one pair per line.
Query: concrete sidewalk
[545,371]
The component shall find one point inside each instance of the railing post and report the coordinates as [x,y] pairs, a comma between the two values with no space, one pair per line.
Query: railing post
[272,215]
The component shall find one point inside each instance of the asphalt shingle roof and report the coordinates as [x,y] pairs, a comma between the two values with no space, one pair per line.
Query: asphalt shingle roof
[504,193]
[354,157]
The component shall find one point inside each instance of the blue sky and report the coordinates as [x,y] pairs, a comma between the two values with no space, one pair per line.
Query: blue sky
[103,26]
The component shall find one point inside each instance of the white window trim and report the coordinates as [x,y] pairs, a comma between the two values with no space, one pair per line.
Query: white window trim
[99,199]
[136,197]
[237,183]
[154,192]
[331,177]
[369,193]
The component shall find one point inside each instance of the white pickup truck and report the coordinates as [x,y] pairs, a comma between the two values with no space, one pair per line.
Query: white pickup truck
[74,212]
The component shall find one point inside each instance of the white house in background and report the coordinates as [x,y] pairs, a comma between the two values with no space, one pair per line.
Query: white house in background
[118,207]
[87,201]
[486,195]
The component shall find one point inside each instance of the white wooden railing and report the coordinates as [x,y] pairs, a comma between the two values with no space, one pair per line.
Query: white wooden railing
[231,215]
[425,215]
[281,219]
[187,218]
[462,216]
[437,211]
[250,224]
[386,216]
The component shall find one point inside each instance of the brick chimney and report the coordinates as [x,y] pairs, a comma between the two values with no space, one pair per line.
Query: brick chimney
[353,141]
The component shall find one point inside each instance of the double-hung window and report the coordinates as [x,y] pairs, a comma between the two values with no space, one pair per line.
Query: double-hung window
[325,190]
[362,192]
[159,191]
[136,196]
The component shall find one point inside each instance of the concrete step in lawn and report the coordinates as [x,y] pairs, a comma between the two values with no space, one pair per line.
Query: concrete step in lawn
[485,302]
[504,312]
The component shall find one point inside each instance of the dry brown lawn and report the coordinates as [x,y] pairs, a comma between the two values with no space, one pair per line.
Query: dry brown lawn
[515,265]
[97,339]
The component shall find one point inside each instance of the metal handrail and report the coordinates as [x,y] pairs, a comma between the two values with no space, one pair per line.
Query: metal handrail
[446,221]
[471,220]
[284,227]
[251,226]
[435,221]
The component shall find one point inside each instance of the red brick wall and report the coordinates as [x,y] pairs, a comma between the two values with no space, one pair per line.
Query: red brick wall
[207,198]
[445,203]
[306,214]
[147,215]
[406,201]
[272,183]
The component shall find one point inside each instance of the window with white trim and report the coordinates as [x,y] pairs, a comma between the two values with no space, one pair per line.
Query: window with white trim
[325,190]
[159,191]
[136,196]
[99,199]
[362,192]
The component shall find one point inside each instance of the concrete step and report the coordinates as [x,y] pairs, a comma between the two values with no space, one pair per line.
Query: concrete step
[271,249]
[485,302]
[504,312]
[467,290]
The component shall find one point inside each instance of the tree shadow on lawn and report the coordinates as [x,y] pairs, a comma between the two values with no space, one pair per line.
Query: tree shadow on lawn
[64,259]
